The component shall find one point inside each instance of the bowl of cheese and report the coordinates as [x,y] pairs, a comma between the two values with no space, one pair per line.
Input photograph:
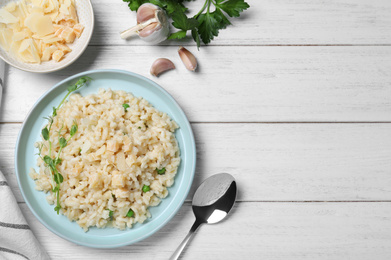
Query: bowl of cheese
[44,35]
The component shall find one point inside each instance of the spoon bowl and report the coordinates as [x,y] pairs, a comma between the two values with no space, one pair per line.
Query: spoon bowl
[212,202]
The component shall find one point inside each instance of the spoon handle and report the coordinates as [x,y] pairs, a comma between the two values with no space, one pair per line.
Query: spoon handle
[189,235]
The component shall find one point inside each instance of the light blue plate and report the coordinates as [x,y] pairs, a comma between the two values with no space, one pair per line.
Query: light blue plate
[108,237]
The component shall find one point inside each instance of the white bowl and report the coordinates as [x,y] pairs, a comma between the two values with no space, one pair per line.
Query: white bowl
[85,14]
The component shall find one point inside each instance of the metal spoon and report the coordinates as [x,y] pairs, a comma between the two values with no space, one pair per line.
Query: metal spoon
[212,201]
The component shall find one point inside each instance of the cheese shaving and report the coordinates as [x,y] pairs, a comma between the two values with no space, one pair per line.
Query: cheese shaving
[39,30]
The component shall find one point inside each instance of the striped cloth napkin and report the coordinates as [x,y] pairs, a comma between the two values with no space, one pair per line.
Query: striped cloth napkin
[17,241]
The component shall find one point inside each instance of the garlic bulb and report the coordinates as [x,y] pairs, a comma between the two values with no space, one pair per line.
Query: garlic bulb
[152,24]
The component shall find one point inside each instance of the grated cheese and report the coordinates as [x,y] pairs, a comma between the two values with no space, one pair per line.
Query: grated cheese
[39,30]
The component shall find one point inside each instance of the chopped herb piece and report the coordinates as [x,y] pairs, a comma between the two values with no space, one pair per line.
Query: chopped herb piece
[130,213]
[139,127]
[161,171]
[110,213]
[146,188]
[113,196]
[80,150]
[126,106]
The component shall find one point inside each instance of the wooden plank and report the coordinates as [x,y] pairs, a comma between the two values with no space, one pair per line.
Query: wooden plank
[255,231]
[281,162]
[247,84]
[276,22]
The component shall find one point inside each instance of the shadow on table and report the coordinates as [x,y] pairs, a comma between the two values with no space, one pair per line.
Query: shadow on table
[5,80]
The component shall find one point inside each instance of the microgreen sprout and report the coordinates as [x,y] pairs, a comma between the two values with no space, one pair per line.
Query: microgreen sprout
[45,133]
[54,112]
[74,129]
[50,162]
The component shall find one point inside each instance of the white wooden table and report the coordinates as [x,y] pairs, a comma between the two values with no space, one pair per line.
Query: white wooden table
[294,101]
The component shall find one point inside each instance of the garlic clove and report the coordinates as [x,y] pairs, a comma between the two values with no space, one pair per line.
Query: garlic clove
[187,58]
[161,65]
[148,30]
[146,12]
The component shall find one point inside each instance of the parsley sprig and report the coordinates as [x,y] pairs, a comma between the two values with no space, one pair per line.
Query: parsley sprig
[205,25]
[52,162]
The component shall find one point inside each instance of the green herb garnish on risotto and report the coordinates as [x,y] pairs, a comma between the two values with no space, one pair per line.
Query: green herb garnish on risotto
[130,213]
[52,159]
[126,106]
[146,188]
[161,171]
[94,174]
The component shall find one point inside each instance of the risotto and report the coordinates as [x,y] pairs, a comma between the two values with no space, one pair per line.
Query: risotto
[120,161]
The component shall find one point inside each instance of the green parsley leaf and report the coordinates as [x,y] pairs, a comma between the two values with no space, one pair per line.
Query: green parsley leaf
[196,37]
[54,112]
[210,24]
[170,6]
[135,4]
[177,35]
[232,7]
[181,21]
[205,25]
